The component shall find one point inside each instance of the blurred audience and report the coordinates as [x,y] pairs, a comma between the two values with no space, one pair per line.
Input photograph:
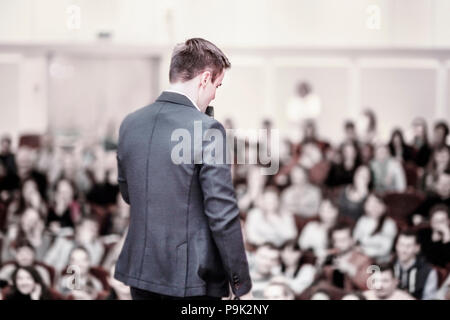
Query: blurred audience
[315,230]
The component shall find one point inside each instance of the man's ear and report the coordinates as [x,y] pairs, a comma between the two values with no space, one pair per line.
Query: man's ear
[204,79]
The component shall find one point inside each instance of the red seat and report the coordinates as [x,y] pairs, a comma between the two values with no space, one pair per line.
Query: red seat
[402,205]
[411,174]
[301,222]
[3,215]
[318,173]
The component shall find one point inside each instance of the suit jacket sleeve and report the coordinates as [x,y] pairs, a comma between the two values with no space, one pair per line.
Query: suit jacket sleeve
[121,178]
[123,186]
[221,209]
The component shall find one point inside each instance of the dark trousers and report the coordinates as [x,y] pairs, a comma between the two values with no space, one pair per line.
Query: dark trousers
[139,294]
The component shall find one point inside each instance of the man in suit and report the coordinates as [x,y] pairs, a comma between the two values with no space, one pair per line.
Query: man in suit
[184,238]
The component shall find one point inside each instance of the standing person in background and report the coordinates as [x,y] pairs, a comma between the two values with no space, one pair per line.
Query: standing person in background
[305,105]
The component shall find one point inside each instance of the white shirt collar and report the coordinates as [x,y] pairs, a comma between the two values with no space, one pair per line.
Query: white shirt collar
[185,96]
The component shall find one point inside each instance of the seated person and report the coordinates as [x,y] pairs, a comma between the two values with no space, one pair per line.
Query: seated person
[28,285]
[64,211]
[352,198]
[78,282]
[389,175]
[435,241]
[24,257]
[297,269]
[30,227]
[314,236]
[354,296]
[439,163]
[384,286]
[345,267]
[341,172]
[414,274]
[268,222]
[301,198]
[266,265]
[440,195]
[278,291]
[86,235]
[375,231]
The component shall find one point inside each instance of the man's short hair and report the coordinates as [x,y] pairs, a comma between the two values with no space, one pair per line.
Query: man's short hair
[340,227]
[6,138]
[195,56]
[349,125]
[23,243]
[388,266]
[439,208]
[442,125]
[409,233]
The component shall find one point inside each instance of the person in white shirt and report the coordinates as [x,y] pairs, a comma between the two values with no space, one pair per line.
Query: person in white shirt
[297,270]
[375,231]
[266,223]
[314,235]
[389,175]
[301,198]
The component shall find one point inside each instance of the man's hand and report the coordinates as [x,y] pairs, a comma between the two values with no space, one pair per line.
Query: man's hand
[247,296]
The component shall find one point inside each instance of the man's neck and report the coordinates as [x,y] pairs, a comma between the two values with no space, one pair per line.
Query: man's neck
[407,264]
[187,90]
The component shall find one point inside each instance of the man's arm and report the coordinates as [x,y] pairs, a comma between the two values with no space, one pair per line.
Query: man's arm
[221,208]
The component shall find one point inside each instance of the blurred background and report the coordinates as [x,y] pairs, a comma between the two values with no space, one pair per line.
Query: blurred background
[353,86]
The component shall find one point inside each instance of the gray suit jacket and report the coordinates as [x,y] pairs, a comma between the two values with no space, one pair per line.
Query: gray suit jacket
[184,237]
